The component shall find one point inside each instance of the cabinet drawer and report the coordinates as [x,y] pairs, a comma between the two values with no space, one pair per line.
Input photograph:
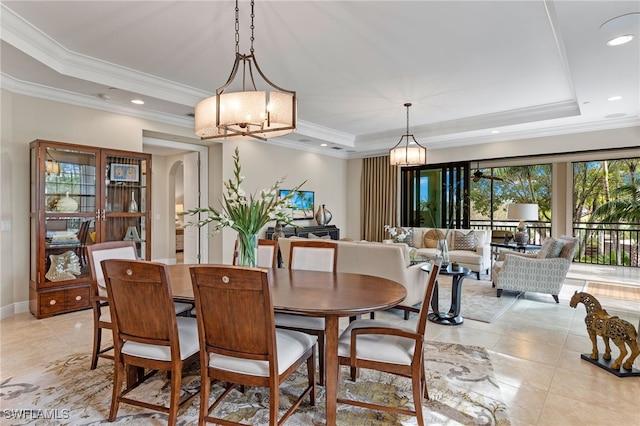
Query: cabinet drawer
[77,298]
[52,302]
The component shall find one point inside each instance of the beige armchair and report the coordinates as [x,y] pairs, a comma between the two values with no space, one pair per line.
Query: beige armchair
[542,272]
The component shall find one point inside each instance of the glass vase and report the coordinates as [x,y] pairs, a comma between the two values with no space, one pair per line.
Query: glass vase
[443,252]
[247,250]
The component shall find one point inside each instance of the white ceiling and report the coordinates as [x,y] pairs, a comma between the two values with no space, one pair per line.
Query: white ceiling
[523,68]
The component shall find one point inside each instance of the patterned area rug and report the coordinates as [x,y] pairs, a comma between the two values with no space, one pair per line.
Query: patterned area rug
[461,384]
[479,301]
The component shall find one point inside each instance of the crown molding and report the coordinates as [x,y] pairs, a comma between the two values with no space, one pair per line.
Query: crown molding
[33,42]
[57,95]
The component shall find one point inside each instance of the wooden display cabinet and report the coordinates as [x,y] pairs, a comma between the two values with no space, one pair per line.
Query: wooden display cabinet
[81,195]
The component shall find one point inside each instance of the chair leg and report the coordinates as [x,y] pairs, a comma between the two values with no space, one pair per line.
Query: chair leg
[417,384]
[118,378]
[499,292]
[555,297]
[321,359]
[311,377]
[274,403]
[174,399]
[478,275]
[97,340]
[205,390]
[424,383]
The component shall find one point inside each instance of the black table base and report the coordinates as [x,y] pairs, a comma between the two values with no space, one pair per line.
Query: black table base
[453,316]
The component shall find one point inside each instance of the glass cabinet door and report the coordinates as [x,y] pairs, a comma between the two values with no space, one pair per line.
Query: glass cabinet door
[126,199]
[68,199]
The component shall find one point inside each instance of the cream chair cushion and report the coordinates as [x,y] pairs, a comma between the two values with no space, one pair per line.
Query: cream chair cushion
[189,343]
[291,345]
[378,347]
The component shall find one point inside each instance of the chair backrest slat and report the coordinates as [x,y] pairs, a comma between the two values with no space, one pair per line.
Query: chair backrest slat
[234,311]
[426,302]
[313,255]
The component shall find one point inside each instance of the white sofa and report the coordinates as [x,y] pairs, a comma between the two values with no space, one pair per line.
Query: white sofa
[391,261]
[477,258]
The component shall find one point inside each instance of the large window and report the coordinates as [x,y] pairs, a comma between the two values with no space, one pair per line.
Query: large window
[493,189]
[606,211]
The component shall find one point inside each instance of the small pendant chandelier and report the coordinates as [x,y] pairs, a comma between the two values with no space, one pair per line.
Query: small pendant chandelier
[408,154]
[250,112]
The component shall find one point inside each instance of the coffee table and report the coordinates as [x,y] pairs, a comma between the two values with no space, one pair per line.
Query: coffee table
[453,316]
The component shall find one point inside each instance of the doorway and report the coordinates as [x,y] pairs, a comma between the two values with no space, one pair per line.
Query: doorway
[180,176]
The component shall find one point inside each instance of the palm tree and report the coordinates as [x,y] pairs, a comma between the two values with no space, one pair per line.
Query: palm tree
[623,208]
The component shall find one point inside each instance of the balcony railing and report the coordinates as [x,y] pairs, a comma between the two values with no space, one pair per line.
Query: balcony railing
[538,231]
[608,243]
[600,243]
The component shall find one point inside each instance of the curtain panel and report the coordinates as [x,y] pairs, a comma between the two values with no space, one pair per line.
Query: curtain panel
[379,197]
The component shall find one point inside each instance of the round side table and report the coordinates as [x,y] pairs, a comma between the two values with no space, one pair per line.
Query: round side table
[453,316]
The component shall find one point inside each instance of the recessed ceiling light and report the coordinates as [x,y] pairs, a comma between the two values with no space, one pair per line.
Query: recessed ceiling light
[323,144]
[614,98]
[620,40]
[137,101]
[495,132]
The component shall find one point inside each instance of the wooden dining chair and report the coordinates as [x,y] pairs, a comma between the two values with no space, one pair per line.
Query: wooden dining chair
[83,233]
[239,343]
[386,347]
[98,296]
[310,255]
[147,333]
[267,253]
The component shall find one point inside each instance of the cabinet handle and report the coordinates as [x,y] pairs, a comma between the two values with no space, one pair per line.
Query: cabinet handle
[52,302]
[78,298]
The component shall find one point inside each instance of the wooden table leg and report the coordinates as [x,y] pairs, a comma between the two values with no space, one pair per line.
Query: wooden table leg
[331,367]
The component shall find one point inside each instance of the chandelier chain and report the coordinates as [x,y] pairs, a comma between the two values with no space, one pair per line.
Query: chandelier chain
[237,29]
[252,26]
[407,120]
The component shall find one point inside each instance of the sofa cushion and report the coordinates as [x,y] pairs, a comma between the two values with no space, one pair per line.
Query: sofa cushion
[431,238]
[465,257]
[465,241]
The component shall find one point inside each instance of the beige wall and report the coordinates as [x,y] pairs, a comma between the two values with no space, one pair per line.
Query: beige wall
[262,163]
[336,182]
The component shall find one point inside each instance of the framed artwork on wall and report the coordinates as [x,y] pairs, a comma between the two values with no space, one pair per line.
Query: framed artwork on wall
[124,172]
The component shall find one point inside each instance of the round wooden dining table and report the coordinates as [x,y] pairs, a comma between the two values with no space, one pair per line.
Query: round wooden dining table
[323,294]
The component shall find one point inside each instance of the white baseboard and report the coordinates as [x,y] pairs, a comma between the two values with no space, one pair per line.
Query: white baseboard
[14,308]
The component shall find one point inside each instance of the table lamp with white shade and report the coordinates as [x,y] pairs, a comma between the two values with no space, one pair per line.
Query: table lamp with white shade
[522,212]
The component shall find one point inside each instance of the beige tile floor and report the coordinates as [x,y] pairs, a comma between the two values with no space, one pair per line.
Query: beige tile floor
[535,349]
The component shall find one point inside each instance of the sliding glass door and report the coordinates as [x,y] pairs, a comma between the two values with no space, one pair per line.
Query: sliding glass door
[435,196]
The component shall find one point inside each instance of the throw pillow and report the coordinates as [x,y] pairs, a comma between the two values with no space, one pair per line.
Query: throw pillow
[568,250]
[465,241]
[313,236]
[408,236]
[556,248]
[545,247]
[431,238]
